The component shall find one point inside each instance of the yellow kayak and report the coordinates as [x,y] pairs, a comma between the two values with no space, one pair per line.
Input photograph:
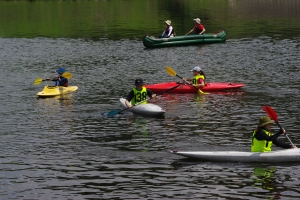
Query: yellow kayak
[52,91]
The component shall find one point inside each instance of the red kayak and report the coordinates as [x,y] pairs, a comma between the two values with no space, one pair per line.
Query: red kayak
[185,88]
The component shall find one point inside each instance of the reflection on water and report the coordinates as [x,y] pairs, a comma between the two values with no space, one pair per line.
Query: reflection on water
[141,126]
[264,177]
[97,19]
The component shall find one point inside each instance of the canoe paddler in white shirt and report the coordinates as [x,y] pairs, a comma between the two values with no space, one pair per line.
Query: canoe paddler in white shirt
[139,94]
[262,138]
[199,78]
[169,30]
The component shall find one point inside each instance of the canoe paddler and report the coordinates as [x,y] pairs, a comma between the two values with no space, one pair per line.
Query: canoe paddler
[169,30]
[199,77]
[138,94]
[198,28]
[262,138]
[59,80]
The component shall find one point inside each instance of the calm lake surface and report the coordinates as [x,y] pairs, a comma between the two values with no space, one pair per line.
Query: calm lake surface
[64,148]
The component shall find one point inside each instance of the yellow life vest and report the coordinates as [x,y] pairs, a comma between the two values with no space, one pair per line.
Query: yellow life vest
[261,145]
[196,78]
[139,95]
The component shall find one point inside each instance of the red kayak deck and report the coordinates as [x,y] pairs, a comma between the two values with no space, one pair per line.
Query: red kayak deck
[184,88]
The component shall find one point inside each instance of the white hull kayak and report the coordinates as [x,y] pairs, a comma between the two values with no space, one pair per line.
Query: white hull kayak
[144,109]
[286,155]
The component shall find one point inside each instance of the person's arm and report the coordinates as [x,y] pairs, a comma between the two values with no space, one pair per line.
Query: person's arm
[187,79]
[163,33]
[170,31]
[261,135]
[203,29]
[282,144]
[190,31]
[150,94]
[128,99]
[51,79]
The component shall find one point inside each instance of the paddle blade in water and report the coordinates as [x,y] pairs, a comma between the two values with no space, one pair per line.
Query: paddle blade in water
[67,75]
[272,114]
[38,81]
[201,92]
[170,71]
[111,113]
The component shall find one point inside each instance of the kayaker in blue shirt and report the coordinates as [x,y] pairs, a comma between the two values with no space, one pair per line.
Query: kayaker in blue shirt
[169,30]
[262,138]
[199,77]
[59,80]
[138,94]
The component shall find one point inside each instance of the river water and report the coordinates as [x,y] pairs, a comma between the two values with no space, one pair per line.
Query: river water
[64,148]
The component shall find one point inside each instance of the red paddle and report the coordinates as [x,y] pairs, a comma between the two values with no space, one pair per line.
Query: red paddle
[272,114]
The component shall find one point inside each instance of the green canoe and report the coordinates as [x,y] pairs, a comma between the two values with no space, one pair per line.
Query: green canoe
[152,42]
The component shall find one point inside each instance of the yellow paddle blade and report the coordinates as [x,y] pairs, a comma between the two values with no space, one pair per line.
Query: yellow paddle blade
[37,81]
[170,71]
[201,92]
[67,75]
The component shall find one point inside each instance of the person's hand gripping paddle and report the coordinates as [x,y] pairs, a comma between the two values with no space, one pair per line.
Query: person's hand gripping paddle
[272,114]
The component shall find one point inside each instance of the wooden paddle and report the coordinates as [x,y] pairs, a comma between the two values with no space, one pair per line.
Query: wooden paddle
[114,112]
[40,80]
[171,72]
[272,114]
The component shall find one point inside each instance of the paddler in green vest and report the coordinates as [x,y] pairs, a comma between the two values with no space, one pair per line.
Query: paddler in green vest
[199,78]
[262,138]
[139,94]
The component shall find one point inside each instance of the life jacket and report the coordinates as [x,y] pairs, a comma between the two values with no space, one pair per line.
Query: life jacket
[261,145]
[198,28]
[139,95]
[63,82]
[167,30]
[196,78]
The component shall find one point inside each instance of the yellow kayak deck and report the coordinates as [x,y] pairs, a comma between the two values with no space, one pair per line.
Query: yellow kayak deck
[52,91]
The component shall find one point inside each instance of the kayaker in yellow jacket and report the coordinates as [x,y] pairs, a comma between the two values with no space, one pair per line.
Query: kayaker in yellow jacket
[199,77]
[262,138]
[138,94]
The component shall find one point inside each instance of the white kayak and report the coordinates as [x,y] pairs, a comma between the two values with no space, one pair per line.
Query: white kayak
[286,155]
[144,109]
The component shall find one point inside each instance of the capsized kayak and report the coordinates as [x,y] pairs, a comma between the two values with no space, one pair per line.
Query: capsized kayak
[144,109]
[52,91]
[152,42]
[286,155]
[185,88]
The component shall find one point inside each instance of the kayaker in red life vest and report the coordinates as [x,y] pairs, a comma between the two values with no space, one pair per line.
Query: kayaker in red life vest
[199,77]
[138,94]
[59,80]
[198,28]
[169,30]
[262,138]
